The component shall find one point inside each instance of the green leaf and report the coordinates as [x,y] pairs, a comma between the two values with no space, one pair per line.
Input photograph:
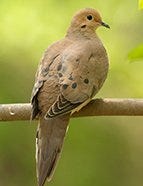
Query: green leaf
[140,4]
[136,54]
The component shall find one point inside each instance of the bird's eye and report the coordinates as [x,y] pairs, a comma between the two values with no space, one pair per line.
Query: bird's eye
[89,17]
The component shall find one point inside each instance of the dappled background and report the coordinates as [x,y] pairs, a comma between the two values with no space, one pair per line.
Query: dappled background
[102,151]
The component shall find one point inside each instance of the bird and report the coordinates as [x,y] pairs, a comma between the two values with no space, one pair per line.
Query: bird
[70,73]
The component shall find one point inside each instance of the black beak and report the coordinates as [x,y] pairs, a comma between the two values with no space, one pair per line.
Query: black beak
[105,25]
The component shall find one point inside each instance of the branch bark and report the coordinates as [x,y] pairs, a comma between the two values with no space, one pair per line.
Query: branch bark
[97,107]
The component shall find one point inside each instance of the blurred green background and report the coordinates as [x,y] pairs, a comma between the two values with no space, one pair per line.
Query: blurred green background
[102,151]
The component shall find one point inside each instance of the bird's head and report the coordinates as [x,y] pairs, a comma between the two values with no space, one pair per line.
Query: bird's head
[87,19]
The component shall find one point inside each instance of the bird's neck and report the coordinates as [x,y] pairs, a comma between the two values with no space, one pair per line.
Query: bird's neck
[77,33]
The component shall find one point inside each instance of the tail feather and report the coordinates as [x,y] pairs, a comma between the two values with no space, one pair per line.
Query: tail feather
[49,141]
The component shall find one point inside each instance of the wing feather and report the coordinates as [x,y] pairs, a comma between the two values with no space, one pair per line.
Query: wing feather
[60,107]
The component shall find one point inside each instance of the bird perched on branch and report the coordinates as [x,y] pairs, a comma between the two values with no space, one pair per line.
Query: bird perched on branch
[70,73]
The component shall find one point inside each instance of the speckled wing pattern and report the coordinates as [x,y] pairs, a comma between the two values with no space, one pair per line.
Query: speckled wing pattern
[68,77]
[81,74]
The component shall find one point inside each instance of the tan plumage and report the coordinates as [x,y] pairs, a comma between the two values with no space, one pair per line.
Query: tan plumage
[71,72]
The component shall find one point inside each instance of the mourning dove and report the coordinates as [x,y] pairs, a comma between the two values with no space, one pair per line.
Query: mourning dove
[70,73]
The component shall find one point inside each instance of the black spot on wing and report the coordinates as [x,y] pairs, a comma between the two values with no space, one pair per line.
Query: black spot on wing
[74,85]
[86,81]
[65,86]
[77,60]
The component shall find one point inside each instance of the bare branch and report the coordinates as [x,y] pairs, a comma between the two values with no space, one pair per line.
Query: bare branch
[97,107]
[14,112]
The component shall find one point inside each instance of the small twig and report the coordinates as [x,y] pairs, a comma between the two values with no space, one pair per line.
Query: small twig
[97,107]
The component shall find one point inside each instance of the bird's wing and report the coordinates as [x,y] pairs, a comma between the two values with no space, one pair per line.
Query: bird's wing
[75,79]
[45,76]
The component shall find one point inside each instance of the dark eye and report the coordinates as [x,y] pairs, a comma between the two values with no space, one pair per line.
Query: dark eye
[89,17]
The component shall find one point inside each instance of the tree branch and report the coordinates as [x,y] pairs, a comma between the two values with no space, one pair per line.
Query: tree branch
[97,107]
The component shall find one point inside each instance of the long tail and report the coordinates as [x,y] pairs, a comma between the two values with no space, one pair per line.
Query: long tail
[49,141]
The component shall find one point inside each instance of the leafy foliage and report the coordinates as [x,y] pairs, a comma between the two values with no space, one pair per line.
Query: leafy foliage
[136,54]
[141,4]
